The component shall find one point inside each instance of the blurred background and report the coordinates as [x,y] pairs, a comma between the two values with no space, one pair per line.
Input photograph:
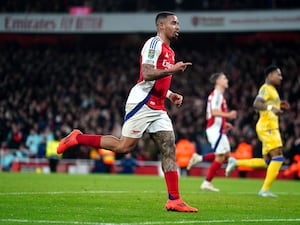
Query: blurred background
[68,64]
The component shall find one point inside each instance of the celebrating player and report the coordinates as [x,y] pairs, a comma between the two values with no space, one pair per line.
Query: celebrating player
[145,110]
[268,103]
[216,115]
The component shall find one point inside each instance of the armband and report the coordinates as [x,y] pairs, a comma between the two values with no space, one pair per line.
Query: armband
[169,93]
[269,107]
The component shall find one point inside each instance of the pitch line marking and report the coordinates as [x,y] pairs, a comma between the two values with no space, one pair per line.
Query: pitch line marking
[150,223]
[124,192]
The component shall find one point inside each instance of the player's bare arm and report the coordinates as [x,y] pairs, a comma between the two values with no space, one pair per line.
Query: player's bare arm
[150,73]
[229,115]
[165,140]
[259,104]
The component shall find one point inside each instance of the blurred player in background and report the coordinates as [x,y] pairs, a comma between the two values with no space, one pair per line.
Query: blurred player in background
[216,115]
[269,106]
[145,110]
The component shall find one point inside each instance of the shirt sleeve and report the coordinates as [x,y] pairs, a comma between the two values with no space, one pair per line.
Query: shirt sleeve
[151,51]
[216,101]
[263,93]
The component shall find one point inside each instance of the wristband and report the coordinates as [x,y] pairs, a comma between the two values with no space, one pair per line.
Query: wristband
[269,107]
[169,93]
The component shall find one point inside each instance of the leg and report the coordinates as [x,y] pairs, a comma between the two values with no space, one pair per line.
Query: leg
[53,162]
[109,142]
[196,158]
[220,145]
[123,145]
[165,140]
[214,167]
[272,153]
[273,169]
[254,163]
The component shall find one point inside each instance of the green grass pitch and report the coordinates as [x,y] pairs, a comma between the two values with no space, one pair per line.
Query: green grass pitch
[98,199]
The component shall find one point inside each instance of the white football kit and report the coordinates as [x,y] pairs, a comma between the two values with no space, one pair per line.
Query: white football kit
[215,129]
[145,110]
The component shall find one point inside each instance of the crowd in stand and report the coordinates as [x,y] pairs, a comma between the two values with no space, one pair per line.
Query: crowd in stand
[47,90]
[33,6]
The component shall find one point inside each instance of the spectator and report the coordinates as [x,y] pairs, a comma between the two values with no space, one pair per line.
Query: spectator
[108,159]
[243,151]
[128,164]
[33,141]
[52,156]
[184,151]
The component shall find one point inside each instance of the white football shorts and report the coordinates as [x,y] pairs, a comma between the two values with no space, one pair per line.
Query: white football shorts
[219,142]
[145,119]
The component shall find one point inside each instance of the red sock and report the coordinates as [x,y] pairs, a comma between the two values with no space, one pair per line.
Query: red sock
[171,179]
[90,140]
[214,167]
[209,157]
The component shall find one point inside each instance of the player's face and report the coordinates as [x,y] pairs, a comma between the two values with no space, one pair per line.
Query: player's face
[223,81]
[276,77]
[172,27]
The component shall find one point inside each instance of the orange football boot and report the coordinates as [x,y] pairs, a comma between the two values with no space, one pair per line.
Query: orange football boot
[68,141]
[179,206]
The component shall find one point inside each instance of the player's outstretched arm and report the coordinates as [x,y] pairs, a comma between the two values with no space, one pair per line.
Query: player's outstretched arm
[150,73]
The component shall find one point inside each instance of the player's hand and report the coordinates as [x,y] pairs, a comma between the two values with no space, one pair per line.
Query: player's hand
[285,105]
[228,126]
[181,66]
[176,99]
[232,114]
[276,110]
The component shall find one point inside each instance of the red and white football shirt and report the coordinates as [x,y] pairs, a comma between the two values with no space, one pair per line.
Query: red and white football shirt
[217,101]
[161,56]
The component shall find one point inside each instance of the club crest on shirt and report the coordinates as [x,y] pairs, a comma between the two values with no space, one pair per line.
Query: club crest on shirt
[151,53]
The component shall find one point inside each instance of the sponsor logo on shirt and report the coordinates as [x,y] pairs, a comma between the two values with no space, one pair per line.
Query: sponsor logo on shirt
[166,64]
[135,131]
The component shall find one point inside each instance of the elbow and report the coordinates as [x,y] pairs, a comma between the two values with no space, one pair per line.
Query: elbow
[147,77]
[254,104]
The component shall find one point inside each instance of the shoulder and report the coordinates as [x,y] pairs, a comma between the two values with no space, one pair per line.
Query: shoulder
[153,43]
[217,93]
[266,88]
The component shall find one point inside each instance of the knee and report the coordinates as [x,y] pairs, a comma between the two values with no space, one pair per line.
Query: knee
[220,158]
[125,149]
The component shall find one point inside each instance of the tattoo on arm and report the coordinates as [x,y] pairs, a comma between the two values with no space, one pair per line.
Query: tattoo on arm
[165,140]
[149,73]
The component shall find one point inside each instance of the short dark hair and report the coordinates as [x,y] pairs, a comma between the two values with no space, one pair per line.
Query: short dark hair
[214,77]
[270,69]
[163,15]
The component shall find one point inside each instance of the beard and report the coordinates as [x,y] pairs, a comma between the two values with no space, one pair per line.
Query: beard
[174,37]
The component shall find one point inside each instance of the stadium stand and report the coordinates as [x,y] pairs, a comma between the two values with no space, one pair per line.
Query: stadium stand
[56,82]
[33,6]
[68,87]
